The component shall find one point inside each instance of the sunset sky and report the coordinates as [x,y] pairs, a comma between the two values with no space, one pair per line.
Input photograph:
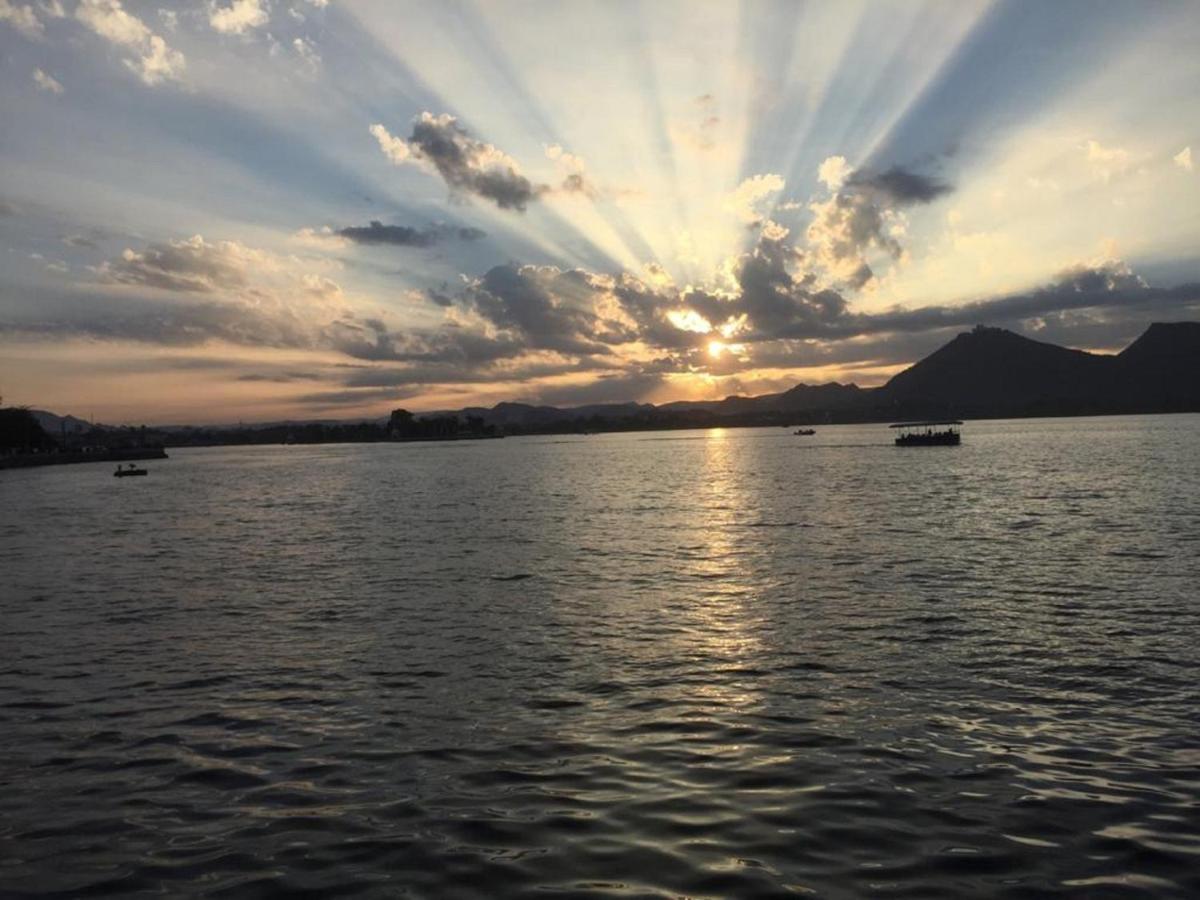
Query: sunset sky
[260,209]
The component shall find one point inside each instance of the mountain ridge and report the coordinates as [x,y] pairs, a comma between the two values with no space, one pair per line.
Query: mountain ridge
[983,373]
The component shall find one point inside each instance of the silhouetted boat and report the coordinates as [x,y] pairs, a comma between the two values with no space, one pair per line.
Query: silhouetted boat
[805,431]
[127,473]
[928,434]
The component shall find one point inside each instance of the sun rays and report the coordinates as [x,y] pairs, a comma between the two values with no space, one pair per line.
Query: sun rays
[529,199]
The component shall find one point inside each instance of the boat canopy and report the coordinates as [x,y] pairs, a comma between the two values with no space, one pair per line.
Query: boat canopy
[925,424]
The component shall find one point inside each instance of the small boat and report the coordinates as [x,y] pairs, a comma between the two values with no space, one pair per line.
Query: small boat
[942,433]
[127,473]
[805,431]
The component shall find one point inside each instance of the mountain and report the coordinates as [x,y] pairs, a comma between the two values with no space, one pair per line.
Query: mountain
[983,373]
[990,372]
[54,425]
[1161,368]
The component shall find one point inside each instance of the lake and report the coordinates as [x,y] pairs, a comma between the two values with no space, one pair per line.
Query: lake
[724,663]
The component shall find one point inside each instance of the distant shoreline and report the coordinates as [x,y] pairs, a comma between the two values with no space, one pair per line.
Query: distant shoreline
[661,427]
[67,458]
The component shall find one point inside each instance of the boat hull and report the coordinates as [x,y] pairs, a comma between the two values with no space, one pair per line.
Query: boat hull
[953,439]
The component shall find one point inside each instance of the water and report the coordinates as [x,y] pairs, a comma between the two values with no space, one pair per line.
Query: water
[713,664]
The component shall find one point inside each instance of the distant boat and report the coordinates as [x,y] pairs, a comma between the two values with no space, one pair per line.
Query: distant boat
[805,431]
[127,473]
[942,433]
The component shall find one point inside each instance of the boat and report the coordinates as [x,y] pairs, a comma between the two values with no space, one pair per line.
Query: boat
[127,473]
[942,433]
[805,431]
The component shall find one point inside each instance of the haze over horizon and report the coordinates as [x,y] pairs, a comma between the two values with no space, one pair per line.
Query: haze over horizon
[317,208]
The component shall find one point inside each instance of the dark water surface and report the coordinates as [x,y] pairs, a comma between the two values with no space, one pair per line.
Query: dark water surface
[712,664]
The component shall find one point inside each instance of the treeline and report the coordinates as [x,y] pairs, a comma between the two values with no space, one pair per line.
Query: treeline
[20,432]
[404,426]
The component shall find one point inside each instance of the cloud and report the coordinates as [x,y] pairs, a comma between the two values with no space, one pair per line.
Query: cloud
[307,52]
[154,62]
[744,200]
[47,82]
[773,295]
[405,236]
[394,148]
[324,238]
[844,228]
[78,240]
[278,377]
[546,307]
[22,18]
[466,164]
[1108,286]
[863,218]
[193,265]
[572,171]
[616,387]
[833,172]
[1107,162]
[239,17]
[899,187]
[699,129]
[1183,159]
[520,322]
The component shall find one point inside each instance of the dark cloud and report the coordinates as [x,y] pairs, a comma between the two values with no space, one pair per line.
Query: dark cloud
[518,323]
[170,324]
[776,300]
[334,399]
[548,308]
[899,187]
[278,377]
[80,240]
[576,183]
[465,163]
[1109,288]
[406,236]
[609,388]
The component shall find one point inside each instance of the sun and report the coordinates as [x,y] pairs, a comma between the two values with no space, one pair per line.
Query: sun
[716,348]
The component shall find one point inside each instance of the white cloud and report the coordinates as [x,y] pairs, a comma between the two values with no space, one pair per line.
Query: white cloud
[743,201]
[323,238]
[158,63]
[109,20]
[1183,159]
[1107,162]
[239,17]
[307,52]
[155,61]
[833,172]
[22,18]
[394,148]
[52,9]
[47,82]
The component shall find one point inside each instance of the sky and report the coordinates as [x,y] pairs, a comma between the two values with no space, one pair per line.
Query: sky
[248,210]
